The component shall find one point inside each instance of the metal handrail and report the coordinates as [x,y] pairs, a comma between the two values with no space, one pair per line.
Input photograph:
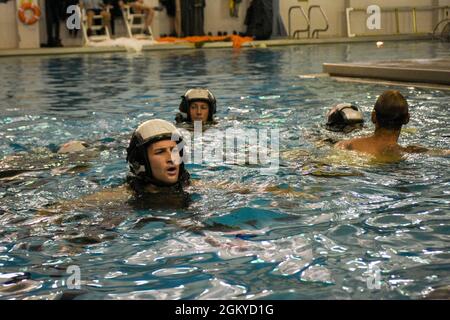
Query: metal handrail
[316,31]
[396,11]
[446,20]
[297,32]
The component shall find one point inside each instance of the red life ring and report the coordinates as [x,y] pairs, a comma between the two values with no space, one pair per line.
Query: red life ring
[36,13]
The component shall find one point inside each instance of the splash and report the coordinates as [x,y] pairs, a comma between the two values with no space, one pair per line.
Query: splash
[131,45]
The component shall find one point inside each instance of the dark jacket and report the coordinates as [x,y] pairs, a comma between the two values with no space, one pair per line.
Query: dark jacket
[259,19]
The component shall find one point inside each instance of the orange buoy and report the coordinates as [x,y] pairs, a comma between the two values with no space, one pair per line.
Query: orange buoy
[29,20]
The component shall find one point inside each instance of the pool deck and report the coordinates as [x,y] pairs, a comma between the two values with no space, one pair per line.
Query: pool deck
[431,71]
[184,46]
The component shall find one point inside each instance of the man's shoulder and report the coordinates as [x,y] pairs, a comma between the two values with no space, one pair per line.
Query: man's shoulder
[351,143]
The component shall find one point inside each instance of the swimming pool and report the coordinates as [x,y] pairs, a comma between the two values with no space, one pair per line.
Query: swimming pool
[386,222]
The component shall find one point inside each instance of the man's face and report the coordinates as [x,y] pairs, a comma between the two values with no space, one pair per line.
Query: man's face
[199,111]
[163,166]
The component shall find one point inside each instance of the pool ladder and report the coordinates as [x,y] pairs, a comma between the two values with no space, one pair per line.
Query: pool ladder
[314,33]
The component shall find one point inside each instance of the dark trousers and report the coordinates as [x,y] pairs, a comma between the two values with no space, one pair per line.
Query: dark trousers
[52,17]
[115,12]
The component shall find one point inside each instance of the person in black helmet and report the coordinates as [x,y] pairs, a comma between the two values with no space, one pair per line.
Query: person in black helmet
[197,105]
[344,117]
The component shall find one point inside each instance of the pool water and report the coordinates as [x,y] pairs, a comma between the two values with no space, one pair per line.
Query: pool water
[344,229]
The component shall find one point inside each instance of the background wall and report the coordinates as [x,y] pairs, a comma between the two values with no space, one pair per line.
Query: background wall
[217,18]
[8,25]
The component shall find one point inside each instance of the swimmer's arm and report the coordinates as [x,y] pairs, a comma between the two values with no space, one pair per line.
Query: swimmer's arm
[230,187]
[105,197]
[439,152]
[344,145]
[431,152]
[415,149]
[289,192]
[235,187]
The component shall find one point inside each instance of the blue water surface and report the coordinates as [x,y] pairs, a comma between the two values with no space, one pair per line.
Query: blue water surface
[335,230]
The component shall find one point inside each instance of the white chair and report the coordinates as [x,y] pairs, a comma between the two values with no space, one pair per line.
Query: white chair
[95,27]
[136,21]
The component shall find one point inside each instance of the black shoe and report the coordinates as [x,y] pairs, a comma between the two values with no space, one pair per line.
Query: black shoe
[89,32]
[159,8]
[147,32]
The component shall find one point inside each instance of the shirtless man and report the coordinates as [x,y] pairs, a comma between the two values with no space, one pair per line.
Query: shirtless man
[389,115]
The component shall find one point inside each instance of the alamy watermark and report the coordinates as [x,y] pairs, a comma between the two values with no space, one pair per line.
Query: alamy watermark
[238,146]
[374,20]
[373,279]
[74,280]
[74,21]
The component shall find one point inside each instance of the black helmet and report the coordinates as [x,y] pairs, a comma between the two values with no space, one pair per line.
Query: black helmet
[344,117]
[147,133]
[197,95]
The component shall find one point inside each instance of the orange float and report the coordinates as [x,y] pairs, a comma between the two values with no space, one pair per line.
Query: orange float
[237,41]
[29,20]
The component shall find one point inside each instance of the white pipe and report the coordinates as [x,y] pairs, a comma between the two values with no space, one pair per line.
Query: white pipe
[349,32]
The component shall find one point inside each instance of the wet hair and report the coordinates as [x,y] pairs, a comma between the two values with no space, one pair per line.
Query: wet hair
[391,110]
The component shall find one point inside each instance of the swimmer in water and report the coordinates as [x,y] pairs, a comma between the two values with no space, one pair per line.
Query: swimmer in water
[344,117]
[157,180]
[72,157]
[390,113]
[197,105]
[154,159]
[156,168]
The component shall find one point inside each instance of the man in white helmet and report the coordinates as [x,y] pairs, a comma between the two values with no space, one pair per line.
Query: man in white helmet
[154,158]
[157,176]
[197,105]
